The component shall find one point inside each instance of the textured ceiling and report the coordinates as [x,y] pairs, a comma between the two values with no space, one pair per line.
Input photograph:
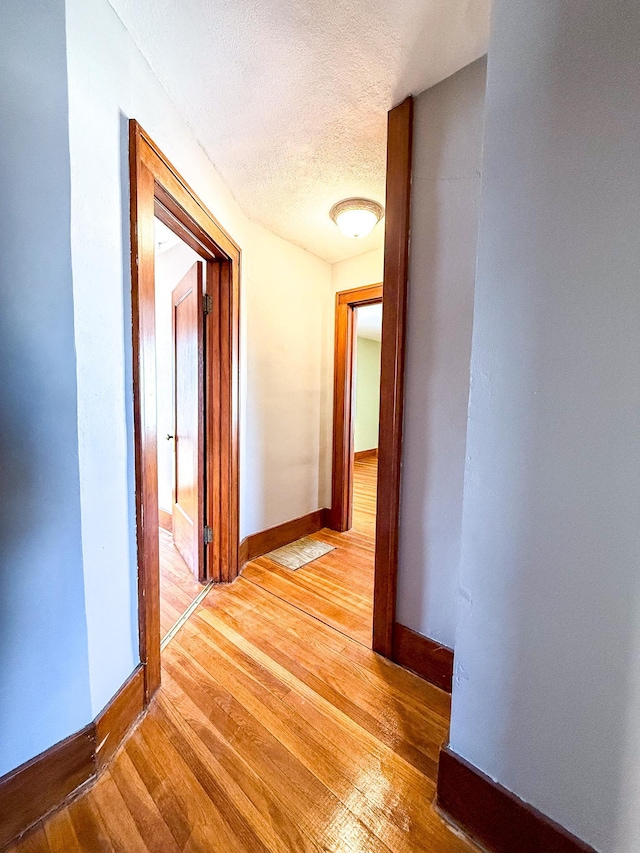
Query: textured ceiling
[289,97]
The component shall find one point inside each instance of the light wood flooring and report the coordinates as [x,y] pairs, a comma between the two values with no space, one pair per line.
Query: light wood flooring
[336,590]
[272,731]
[178,587]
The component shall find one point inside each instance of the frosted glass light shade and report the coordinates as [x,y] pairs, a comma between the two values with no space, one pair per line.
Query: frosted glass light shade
[356,217]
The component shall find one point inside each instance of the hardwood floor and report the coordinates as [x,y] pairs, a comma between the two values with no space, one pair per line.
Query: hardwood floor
[178,587]
[272,731]
[334,589]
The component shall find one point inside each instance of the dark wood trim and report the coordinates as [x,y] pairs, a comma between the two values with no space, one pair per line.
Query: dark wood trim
[342,468]
[494,816]
[45,782]
[144,385]
[39,785]
[157,188]
[365,454]
[369,294]
[113,723]
[282,534]
[243,553]
[425,657]
[394,301]
[165,520]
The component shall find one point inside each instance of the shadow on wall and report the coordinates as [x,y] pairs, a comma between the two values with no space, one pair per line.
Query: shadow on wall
[44,676]
[287,327]
[127,344]
[548,653]
[446,185]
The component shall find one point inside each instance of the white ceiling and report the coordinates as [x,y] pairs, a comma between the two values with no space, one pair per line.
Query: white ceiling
[289,97]
[165,238]
[369,322]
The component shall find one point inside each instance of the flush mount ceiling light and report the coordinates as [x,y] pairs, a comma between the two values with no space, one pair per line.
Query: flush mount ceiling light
[356,217]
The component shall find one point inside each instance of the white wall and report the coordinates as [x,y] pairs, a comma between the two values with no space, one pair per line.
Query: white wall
[359,271]
[283,350]
[546,696]
[445,195]
[44,678]
[367,394]
[170,268]
[288,402]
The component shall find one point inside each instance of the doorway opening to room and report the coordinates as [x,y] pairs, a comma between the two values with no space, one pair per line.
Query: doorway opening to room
[180,317]
[325,568]
[366,417]
[343,583]
[356,408]
[185,319]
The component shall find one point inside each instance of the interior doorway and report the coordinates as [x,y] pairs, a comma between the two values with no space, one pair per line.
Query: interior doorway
[366,302]
[366,417]
[201,368]
[336,584]
[180,371]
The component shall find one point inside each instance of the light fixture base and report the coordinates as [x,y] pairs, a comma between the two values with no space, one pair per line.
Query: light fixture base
[347,210]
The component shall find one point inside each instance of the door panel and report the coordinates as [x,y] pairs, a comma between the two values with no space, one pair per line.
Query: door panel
[188,396]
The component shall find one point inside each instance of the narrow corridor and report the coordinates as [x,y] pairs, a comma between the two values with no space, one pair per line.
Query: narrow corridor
[275,730]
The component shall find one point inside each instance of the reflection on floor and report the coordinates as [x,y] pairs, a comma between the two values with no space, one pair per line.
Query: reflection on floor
[178,587]
[365,476]
[272,732]
[336,588]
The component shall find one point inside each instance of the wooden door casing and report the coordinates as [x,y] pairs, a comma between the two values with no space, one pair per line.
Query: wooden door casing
[394,309]
[347,301]
[157,189]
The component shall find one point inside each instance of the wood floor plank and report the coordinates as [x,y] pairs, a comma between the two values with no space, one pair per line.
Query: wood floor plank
[178,587]
[90,829]
[337,588]
[322,752]
[149,820]
[35,841]
[350,687]
[276,728]
[60,833]
[113,811]
[293,784]
[208,827]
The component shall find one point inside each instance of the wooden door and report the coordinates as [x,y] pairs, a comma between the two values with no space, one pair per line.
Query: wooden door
[188,401]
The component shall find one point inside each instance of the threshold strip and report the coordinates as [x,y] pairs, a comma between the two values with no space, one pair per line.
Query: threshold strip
[176,627]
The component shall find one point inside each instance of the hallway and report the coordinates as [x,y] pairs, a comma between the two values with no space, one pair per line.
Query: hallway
[274,730]
[337,588]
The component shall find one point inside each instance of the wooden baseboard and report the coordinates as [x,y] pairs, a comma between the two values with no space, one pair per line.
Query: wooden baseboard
[365,454]
[38,786]
[425,657]
[282,534]
[165,519]
[243,554]
[113,723]
[494,816]
[42,784]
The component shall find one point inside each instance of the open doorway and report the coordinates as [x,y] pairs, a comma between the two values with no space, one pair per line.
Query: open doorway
[203,296]
[179,315]
[329,573]
[366,417]
[363,304]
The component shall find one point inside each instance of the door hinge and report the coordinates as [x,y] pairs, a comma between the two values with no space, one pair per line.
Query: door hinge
[208,303]
[208,535]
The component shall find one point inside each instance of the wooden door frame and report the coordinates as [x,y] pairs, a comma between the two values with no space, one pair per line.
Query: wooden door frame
[394,307]
[157,189]
[347,301]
